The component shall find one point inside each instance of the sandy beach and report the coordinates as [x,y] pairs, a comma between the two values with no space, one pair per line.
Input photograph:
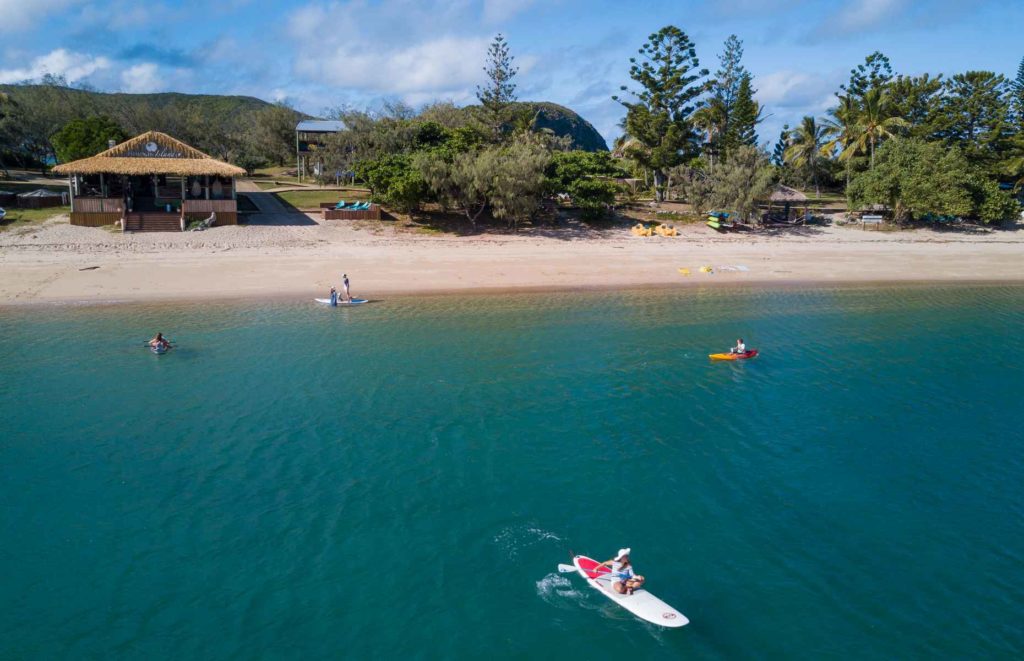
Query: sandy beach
[291,255]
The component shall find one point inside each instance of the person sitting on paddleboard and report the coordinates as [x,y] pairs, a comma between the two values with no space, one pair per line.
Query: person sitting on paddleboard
[159,342]
[739,348]
[334,297]
[622,569]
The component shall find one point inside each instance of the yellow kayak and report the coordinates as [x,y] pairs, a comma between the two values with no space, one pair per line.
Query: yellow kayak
[733,356]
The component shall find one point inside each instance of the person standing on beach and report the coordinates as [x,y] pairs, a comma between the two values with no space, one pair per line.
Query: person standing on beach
[344,283]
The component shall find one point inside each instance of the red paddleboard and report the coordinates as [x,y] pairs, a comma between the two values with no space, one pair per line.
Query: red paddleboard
[641,603]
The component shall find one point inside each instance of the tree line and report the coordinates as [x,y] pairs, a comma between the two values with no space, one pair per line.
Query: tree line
[47,121]
[926,147]
[489,163]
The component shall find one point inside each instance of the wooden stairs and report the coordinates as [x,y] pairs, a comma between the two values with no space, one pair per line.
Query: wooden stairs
[154,221]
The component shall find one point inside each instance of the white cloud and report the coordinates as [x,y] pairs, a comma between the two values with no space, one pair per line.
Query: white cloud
[440,65]
[141,78]
[407,48]
[19,15]
[795,89]
[496,11]
[60,62]
[861,15]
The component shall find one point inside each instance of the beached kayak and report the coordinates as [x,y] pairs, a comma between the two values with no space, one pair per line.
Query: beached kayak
[641,603]
[733,356]
[354,301]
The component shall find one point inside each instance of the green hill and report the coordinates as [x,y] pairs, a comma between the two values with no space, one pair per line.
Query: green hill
[564,122]
[230,112]
[225,127]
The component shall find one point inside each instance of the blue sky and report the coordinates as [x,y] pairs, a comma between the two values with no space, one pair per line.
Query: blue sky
[357,53]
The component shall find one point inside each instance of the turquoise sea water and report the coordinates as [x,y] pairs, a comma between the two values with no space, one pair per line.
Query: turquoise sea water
[400,480]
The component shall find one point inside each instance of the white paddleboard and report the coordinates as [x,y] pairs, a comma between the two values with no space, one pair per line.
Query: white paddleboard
[341,302]
[641,603]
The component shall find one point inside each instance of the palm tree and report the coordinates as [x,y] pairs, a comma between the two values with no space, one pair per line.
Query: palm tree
[840,129]
[805,148]
[876,122]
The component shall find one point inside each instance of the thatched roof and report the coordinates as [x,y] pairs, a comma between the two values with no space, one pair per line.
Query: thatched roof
[151,153]
[787,194]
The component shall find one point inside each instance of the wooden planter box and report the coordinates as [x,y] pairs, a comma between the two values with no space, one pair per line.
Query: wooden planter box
[330,213]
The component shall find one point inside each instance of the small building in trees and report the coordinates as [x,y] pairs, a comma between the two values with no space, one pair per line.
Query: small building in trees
[309,142]
[151,182]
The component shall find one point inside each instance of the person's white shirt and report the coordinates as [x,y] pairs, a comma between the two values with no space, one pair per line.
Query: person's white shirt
[618,570]
[741,347]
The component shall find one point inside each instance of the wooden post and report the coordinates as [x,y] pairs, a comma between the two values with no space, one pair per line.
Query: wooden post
[183,179]
[206,180]
[234,195]
[71,191]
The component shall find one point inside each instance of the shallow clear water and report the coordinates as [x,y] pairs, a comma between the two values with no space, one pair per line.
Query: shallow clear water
[401,479]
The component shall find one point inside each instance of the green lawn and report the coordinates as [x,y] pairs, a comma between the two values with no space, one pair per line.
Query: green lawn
[18,218]
[311,199]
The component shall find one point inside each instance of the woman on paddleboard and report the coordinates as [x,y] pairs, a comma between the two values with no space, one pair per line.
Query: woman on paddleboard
[623,569]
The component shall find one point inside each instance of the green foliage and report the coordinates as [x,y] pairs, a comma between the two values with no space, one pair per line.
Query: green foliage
[913,177]
[81,138]
[394,182]
[779,151]
[669,77]
[992,204]
[508,179]
[917,99]
[746,116]
[518,180]
[585,177]
[974,115]
[217,125]
[594,197]
[875,73]
[741,182]
[1017,97]
[568,167]
[730,115]
[272,136]
[875,120]
[500,90]
[806,148]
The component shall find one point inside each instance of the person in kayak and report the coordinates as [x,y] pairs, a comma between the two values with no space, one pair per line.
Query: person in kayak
[344,283]
[622,569]
[739,348]
[160,342]
[334,297]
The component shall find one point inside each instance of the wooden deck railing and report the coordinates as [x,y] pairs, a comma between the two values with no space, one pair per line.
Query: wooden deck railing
[98,204]
[209,206]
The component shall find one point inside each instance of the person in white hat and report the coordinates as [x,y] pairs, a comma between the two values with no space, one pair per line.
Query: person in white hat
[626,580]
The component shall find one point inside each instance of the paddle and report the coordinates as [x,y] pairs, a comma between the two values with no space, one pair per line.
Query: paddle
[565,569]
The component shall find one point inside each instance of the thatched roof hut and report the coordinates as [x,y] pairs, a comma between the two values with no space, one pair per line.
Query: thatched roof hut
[152,153]
[787,194]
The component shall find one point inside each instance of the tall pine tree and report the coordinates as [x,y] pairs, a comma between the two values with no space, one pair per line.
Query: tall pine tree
[725,95]
[746,114]
[1017,97]
[659,116]
[499,93]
